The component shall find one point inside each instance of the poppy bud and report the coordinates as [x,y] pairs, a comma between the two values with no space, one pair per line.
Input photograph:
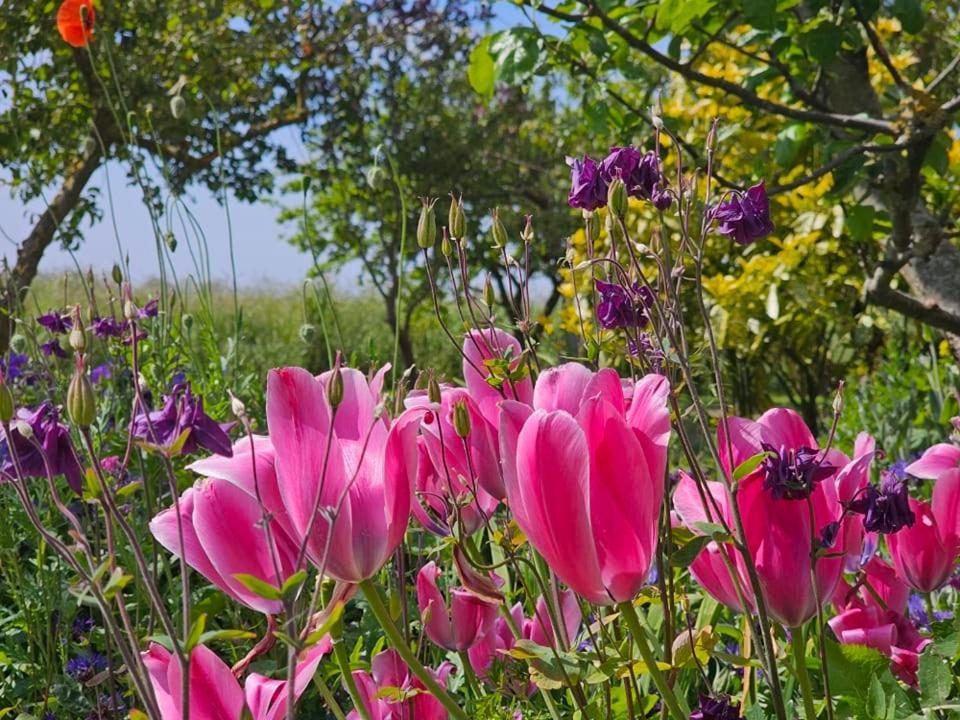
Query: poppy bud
[498,230]
[488,297]
[308,332]
[446,247]
[18,343]
[461,419]
[617,197]
[6,402]
[171,240]
[335,387]
[433,390]
[187,321]
[456,220]
[177,106]
[117,274]
[427,226]
[375,177]
[81,404]
[527,234]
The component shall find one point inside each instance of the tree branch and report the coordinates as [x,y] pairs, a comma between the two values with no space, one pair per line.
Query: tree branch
[879,49]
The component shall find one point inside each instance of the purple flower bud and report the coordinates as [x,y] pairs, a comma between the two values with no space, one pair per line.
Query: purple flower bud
[588,189]
[55,322]
[745,217]
[792,473]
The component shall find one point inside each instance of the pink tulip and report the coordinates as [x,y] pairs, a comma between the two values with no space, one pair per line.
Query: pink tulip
[883,582]
[924,554]
[776,522]
[215,693]
[388,670]
[885,630]
[459,627]
[539,628]
[481,347]
[347,462]
[223,536]
[936,461]
[585,476]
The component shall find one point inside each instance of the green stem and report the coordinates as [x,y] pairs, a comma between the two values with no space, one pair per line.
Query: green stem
[380,611]
[800,668]
[676,706]
[331,702]
[476,688]
[343,660]
[928,601]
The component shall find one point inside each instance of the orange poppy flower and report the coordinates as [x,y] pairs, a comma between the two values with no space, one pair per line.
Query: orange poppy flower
[75,21]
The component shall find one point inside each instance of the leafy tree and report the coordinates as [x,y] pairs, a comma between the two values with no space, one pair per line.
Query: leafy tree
[192,89]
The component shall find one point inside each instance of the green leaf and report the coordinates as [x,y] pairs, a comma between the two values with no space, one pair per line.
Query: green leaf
[324,629]
[761,14]
[822,42]
[516,53]
[481,72]
[259,587]
[852,666]
[714,530]
[860,222]
[687,553]
[225,635]
[196,632]
[676,16]
[876,705]
[910,15]
[935,679]
[292,583]
[748,465]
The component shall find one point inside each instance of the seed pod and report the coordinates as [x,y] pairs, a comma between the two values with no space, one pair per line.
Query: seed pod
[498,230]
[308,333]
[433,390]
[446,247]
[177,106]
[488,296]
[117,274]
[527,234]
[461,419]
[78,336]
[617,197]
[457,221]
[335,387]
[81,403]
[171,240]
[427,225]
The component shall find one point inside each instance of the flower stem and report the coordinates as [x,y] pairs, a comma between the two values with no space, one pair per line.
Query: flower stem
[379,610]
[800,668]
[676,706]
[340,653]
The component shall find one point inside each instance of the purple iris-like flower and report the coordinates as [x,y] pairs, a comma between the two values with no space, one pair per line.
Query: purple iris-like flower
[887,509]
[718,708]
[55,322]
[83,667]
[12,366]
[53,438]
[745,217]
[101,373]
[53,348]
[792,473]
[181,411]
[106,327]
[150,309]
[620,307]
[588,189]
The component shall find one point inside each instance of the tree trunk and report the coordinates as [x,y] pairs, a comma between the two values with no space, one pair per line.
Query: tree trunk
[32,248]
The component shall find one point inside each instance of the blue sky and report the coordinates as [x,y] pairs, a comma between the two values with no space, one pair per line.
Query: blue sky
[263,256]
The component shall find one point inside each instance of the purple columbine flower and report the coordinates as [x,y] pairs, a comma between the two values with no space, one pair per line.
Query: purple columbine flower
[620,307]
[106,327]
[887,509]
[640,173]
[12,366]
[82,624]
[718,708]
[792,473]
[53,438]
[150,309]
[85,666]
[55,322]
[181,411]
[53,348]
[745,217]
[588,189]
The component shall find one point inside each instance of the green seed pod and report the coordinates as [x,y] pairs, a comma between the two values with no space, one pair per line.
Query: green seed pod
[498,230]
[308,333]
[375,177]
[433,390]
[591,221]
[18,343]
[81,403]
[445,245]
[456,220]
[427,225]
[488,296]
[335,388]
[461,419]
[527,234]
[617,197]
[117,274]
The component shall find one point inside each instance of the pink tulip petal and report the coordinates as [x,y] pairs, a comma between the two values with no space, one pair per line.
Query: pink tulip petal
[918,553]
[480,346]
[783,427]
[561,387]
[946,508]
[936,461]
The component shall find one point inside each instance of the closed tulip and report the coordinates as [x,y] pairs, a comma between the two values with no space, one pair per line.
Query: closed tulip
[458,626]
[345,475]
[924,553]
[223,536]
[773,503]
[584,473]
[215,693]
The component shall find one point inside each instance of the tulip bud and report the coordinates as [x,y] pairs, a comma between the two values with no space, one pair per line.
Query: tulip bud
[456,220]
[177,106]
[308,332]
[433,390]
[527,234]
[461,419]
[427,226]
[617,197]
[117,274]
[498,230]
[335,386]
[81,404]
[6,402]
